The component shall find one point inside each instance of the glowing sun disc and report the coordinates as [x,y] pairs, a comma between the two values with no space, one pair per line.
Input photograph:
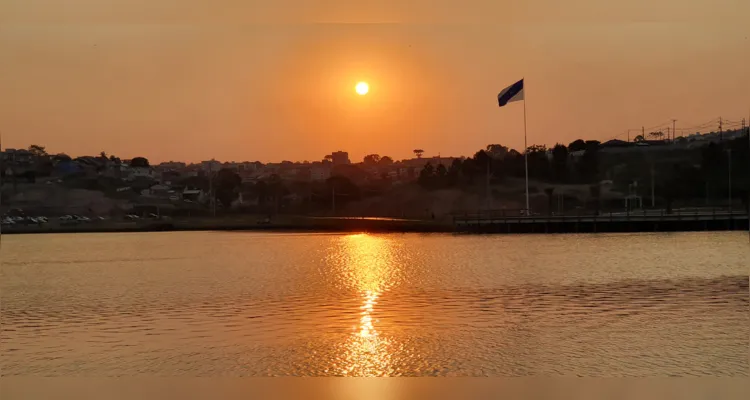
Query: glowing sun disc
[362,88]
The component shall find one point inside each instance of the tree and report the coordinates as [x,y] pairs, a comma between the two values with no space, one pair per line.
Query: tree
[592,144]
[497,150]
[657,135]
[418,152]
[385,160]
[37,150]
[371,159]
[426,176]
[441,171]
[539,166]
[227,183]
[139,162]
[103,155]
[454,171]
[469,170]
[577,145]
[482,161]
[342,188]
[560,162]
[639,138]
[62,157]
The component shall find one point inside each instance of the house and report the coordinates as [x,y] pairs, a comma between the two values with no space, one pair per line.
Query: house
[140,172]
[193,194]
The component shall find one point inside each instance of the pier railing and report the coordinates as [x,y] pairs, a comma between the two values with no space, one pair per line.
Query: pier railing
[514,217]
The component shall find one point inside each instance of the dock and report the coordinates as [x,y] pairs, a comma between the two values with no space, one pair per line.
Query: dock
[639,221]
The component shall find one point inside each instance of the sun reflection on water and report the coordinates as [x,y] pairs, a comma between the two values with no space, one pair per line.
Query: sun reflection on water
[371,266]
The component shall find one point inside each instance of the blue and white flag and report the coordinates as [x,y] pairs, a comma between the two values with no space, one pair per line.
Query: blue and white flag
[513,92]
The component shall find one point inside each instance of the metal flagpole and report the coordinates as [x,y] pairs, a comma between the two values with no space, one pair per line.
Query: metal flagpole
[526,151]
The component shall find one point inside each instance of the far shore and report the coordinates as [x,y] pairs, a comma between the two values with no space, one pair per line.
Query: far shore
[285,223]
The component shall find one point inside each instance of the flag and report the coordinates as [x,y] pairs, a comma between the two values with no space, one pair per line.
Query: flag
[513,92]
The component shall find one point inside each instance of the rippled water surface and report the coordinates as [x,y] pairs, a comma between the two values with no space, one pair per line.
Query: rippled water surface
[252,304]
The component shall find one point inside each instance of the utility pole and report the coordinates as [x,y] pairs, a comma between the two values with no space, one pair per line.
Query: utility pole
[673,131]
[721,132]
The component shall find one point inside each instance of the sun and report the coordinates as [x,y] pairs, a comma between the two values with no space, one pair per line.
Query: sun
[362,88]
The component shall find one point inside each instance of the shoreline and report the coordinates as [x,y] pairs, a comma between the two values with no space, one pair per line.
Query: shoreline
[375,225]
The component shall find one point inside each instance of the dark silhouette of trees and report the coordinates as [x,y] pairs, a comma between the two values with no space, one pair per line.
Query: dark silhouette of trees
[372,159]
[454,172]
[385,161]
[426,176]
[588,165]
[577,145]
[658,135]
[227,184]
[482,161]
[560,163]
[497,151]
[62,157]
[441,172]
[37,150]
[639,138]
[418,152]
[342,188]
[139,162]
[538,162]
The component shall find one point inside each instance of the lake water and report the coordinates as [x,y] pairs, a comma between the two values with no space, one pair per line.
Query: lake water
[259,304]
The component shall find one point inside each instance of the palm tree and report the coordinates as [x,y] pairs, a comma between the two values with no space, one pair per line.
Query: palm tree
[418,152]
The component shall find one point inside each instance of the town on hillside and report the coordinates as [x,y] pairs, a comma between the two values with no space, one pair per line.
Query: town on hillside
[652,171]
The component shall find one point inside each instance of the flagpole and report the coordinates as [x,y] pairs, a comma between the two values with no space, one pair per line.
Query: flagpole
[526,152]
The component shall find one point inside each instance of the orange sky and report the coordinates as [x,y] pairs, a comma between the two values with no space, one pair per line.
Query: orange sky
[241,80]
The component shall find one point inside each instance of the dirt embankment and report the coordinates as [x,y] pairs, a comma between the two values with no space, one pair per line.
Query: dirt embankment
[55,199]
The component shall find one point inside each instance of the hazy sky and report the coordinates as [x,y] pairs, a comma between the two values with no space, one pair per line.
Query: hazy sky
[274,80]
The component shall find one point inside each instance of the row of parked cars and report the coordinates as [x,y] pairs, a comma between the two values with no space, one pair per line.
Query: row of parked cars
[79,219]
[22,220]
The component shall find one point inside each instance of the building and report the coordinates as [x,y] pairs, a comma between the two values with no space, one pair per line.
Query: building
[212,165]
[340,158]
[14,156]
[173,165]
